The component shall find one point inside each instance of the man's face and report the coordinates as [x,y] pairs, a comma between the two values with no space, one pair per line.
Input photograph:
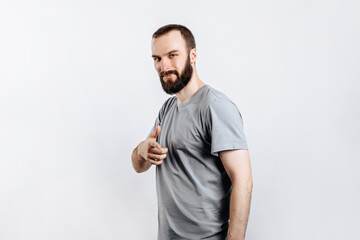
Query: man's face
[172,61]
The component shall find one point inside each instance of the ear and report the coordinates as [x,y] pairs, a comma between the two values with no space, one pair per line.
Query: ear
[193,55]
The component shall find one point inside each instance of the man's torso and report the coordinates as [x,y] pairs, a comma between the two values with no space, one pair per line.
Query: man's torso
[192,185]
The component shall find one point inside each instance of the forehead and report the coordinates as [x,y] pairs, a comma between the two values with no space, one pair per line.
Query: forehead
[173,40]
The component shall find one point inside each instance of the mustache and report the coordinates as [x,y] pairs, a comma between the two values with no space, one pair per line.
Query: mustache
[162,74]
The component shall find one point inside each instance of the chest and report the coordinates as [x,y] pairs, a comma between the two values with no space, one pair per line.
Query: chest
[181,128]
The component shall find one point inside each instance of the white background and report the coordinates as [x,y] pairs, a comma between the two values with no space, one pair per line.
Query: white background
[78,91]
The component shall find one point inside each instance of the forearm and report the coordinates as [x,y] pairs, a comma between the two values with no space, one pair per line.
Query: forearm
[139,164]
[239,209]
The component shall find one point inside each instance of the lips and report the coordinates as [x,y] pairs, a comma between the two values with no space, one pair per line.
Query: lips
[168,75]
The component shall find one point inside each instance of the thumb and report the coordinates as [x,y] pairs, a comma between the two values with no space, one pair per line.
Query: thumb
[156,133]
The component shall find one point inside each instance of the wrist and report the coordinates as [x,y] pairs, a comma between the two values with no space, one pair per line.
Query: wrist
[138,151]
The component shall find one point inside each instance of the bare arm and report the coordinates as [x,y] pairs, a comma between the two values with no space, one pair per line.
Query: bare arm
[148,153]
[237,166]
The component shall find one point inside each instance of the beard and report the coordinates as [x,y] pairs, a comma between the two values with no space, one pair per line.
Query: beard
[172,87]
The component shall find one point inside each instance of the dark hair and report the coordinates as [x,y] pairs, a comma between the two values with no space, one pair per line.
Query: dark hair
[185,33]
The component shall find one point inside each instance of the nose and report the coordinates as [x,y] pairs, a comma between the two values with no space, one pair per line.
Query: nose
[165,65]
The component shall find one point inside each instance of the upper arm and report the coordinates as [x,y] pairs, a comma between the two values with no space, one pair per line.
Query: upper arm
[225,126]
[237,164]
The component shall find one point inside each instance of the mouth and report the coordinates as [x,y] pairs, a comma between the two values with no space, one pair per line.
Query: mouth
[168,75]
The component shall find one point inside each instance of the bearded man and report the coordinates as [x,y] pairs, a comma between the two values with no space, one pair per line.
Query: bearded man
[203,172]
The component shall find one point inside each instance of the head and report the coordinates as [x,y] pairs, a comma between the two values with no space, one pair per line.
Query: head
[174,53]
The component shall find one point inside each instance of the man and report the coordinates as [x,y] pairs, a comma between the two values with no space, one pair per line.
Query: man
[203,174]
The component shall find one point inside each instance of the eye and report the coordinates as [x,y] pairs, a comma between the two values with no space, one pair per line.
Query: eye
[172,55]
[156,59]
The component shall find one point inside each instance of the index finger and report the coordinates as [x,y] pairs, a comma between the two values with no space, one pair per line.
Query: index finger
[160,150]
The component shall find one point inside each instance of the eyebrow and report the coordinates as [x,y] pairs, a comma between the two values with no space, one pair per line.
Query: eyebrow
[172,51]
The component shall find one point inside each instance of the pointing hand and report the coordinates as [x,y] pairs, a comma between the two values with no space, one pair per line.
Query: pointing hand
[151,151]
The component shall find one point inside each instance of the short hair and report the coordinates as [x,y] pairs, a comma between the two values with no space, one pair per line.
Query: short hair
[185,33]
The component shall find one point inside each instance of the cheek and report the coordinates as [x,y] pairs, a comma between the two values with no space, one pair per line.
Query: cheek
[157,67]
[180,64]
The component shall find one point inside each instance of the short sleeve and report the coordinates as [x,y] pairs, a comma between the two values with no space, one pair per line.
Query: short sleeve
[225,126]
[161,113]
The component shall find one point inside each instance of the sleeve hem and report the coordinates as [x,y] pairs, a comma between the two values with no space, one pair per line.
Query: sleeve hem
[216,150]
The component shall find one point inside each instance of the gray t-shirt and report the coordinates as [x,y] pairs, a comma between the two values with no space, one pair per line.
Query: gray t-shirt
[193,188]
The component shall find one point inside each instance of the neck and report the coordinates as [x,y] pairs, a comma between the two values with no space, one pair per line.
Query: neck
[190,89]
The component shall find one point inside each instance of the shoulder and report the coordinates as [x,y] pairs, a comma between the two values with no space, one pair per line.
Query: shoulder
[215,98]
[170,102]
